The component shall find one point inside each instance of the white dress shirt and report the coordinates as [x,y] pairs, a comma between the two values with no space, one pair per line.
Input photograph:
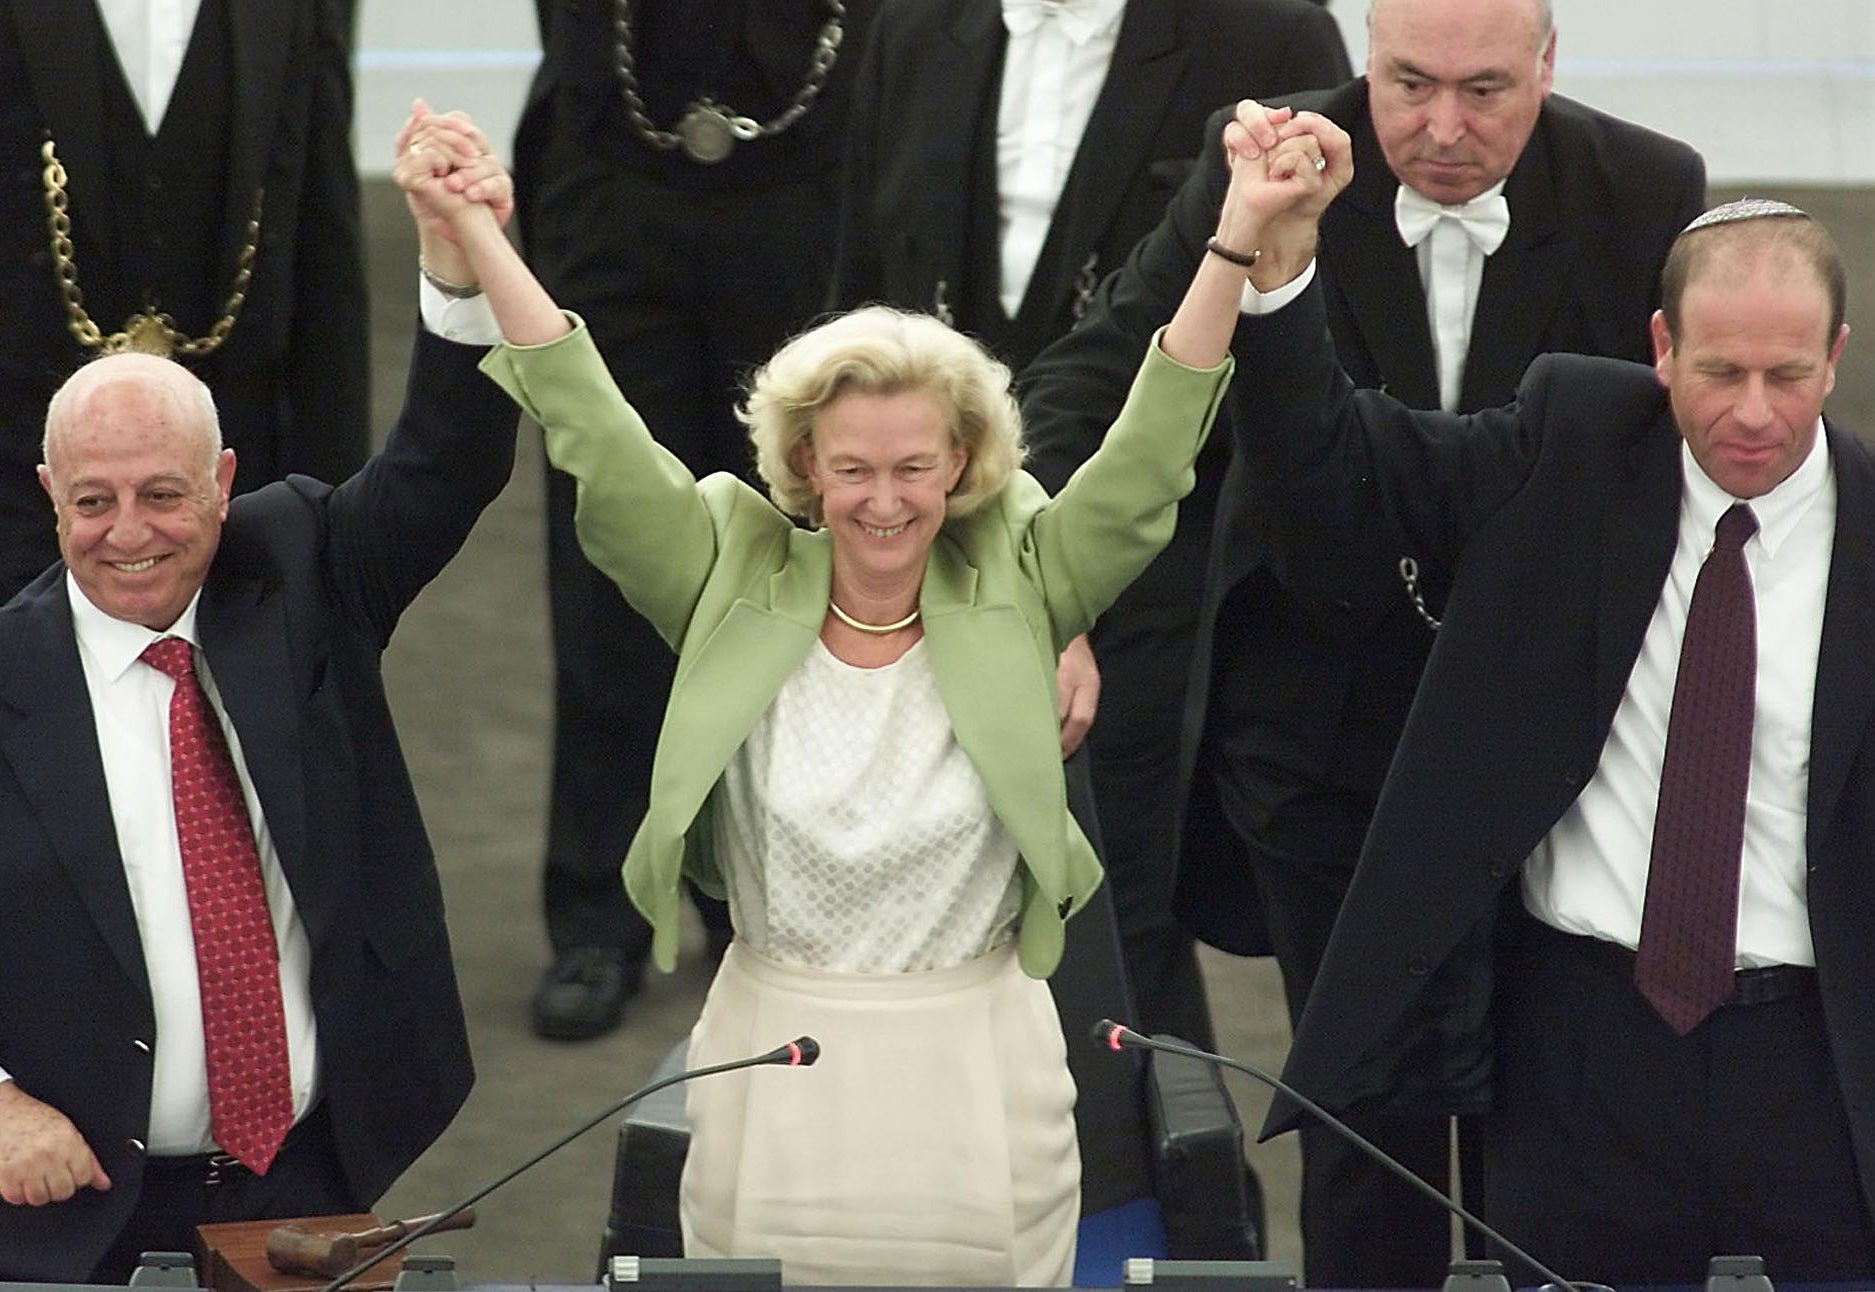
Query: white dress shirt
[1451,269]
[1255,302]
[150,37]
[1589,876]
[130,706]
[466,320]
[1053,67]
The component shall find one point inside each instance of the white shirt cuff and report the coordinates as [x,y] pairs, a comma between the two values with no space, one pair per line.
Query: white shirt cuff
[468,320]
[1255,302]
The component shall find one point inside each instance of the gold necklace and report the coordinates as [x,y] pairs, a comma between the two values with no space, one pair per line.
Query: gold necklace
[149,332]
[875,629]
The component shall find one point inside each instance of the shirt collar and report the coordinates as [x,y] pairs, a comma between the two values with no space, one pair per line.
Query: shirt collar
[115,644]
[1777,511]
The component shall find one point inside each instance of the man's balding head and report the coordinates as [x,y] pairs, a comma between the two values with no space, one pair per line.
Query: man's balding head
[1454,88]
[140,484]
[162,380]
[1731,236]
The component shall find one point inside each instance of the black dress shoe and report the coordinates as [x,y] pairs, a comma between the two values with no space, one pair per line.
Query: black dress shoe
[583,993]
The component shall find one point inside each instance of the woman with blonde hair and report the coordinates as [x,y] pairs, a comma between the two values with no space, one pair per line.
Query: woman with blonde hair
[860,749]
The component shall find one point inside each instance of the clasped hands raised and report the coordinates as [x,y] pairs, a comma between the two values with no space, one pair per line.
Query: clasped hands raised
[1285,168]
[456,189]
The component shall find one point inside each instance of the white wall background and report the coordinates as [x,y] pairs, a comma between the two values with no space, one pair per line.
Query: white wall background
[472,54]
[1769,90]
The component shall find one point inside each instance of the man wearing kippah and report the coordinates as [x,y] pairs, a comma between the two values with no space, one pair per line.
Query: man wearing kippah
[1615,898]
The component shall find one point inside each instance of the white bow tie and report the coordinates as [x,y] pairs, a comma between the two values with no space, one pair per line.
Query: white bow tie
[1079,19]
[1485,219]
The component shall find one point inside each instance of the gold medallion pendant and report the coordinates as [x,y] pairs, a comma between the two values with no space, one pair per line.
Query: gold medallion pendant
[149,333]
[706,133]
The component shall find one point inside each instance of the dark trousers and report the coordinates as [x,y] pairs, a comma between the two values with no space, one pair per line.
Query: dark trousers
[1361,1225]
[177,1194]
[685,293]
[1619,1152]
[1138,825]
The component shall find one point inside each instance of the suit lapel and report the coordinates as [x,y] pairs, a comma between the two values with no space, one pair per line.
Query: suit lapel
[1523,281]
[991,708]
[1845,687]
[1639,534]
[1148,60]
[244,637]
[1377,277]
[724,687]
[260,38]
[52,749]
[62,45]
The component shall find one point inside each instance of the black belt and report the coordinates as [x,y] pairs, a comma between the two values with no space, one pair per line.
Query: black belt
[217,1168]
[1749,986]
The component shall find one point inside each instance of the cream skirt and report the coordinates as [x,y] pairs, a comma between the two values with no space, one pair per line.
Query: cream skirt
[932,1144]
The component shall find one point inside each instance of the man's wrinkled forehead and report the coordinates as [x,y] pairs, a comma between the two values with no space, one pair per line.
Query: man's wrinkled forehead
[1459,20]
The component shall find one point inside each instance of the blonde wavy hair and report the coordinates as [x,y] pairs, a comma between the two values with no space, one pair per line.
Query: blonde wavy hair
[878,350]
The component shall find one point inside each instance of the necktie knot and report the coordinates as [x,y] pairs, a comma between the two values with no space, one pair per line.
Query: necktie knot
[1485,218]
[1736,526]
[171,656]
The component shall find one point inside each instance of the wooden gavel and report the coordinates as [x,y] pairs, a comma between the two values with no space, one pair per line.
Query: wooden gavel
[298,1248]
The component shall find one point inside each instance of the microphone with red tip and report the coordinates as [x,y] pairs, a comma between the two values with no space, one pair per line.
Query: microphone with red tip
[801,1052]
[1116,1036]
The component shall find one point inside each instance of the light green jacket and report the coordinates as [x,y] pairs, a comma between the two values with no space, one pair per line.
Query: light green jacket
[741,592]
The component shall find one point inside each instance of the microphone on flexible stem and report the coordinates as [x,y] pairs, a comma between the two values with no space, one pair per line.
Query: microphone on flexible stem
[1116,1036]
[798,1053]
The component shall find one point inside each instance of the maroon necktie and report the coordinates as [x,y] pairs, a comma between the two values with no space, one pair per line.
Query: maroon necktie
[1689,926]
[250,1087]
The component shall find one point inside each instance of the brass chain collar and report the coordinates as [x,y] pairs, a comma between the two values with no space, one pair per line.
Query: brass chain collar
[150,332]
[708,131]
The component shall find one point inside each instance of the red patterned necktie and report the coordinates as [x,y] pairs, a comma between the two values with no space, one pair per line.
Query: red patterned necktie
[1689,926]
[250,1088]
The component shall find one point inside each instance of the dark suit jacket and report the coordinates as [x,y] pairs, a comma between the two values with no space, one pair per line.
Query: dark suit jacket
[298,350]
[1559,515]
[1595,202]
[921,150]
[302,597]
